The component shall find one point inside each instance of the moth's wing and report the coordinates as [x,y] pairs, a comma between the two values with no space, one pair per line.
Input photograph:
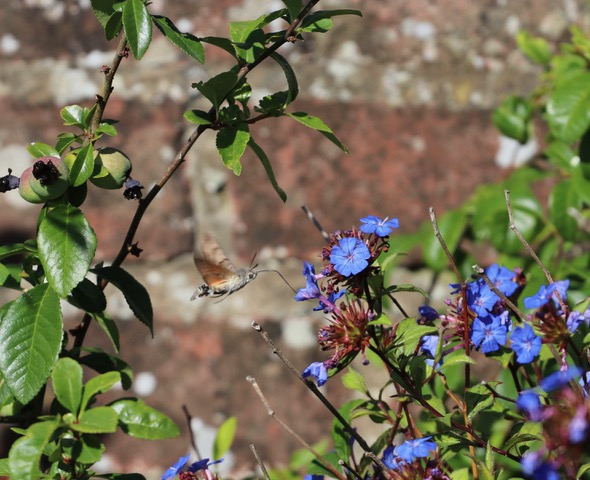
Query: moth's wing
[212,262]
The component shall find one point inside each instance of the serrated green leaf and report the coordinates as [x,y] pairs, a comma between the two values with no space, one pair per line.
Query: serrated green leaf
[67,383]
[199,117]
[135,294]
[353,380]
[221,42]
[141,421]
[567,109]
[536,48]
[67,244]
[321,20]
[64,140]
[560,153]
[97,385]
[317,124]
[103,9]
[38,150]
[83,166]
[138,27]
[409,333]
[107,129]
[231,143]
[91,449]
[456,358]
[31,329]
[225,437]
[25,453]
[188,43]
[97,420]
[217,88]
[267,168]
[513,118]
[294,7]
[10,276]
[5,469]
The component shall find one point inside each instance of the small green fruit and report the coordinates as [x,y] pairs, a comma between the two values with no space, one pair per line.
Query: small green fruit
[25,189]
[50,178]
[114,168]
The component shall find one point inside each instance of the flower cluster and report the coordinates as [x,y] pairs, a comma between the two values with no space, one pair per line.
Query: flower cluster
[195,471]
[564,414]
[349,261]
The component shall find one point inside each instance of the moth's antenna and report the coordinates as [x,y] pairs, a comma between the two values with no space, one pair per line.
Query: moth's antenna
[280,275]
[317,224]
[252,261]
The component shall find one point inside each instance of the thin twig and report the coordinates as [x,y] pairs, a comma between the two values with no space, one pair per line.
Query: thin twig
[309,384]
[259,461]
[443,244]
[316,223]
[189,419]
[289,430]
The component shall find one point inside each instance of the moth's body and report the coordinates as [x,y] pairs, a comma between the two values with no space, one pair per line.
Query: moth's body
[220,275]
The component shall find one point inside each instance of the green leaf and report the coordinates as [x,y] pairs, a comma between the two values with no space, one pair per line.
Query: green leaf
[97,385]
[67,383]
[188,43]
[199,117]
[353,380]
[103,9]
[97,420]
[109,326]
[231,143]
[317,124]
[114,26]
[31,329]
[513,118]
[563,197]
[134,292]
[91,449]
[567,109]
[12,249]
[560,154]
[217,88]
[321,21]
[107,129]
[536,48]
[83,166]
[73,115]
[267,167]
[456,358]
[451,226]
[221,42]
[294,7]
[138,27]
[10,276]
[140,421]
[25,453]
[103,362]
[409,333]
[225,437]
[38,150]
[67,244]
[88,296]
[293,86]
[64,140]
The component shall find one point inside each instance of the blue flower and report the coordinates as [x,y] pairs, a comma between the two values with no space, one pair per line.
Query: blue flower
[578,427]
[574,319]
[546,292]
[391,460]
[202,465]
[525,344]
[530,403]
[318,371]
[382,228]
[174,469]
[502,278]
[490,335]
[417,448]
[311,289]
[428,313]
[537,468]
[480,298]
[313,476]
[430,344]
[350,256]
[560,379]
[331,301]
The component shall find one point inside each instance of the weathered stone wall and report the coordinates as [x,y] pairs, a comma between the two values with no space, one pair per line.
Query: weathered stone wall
[408,88]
